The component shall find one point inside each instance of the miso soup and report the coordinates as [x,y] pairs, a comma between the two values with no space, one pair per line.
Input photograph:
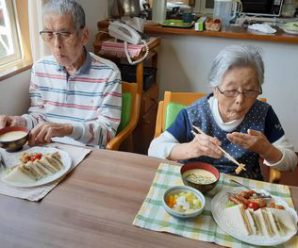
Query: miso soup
[11,136]
[199,176]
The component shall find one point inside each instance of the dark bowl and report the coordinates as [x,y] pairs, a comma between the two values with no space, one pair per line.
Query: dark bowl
[14,144]
[199,165]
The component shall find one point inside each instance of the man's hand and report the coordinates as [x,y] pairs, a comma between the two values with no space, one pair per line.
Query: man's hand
[12,121]
[257,142]
[45,131]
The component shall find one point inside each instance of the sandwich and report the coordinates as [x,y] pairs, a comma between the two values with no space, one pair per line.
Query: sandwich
[267,222]
[54,160]
[30,170]
[38,168]
[285,220]
[239,218]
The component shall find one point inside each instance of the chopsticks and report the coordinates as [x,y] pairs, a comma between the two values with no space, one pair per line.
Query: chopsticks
[226,154]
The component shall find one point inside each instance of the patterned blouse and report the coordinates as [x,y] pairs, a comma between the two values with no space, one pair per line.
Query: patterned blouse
[261,117]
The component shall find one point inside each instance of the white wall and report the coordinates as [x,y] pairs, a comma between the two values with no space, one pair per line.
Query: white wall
[184,63]
[14,98]
[95,11]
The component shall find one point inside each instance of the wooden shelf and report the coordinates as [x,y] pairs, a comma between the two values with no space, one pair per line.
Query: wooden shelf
[148,100]
[231,32]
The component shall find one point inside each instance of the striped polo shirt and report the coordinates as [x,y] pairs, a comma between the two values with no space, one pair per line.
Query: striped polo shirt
[90,99]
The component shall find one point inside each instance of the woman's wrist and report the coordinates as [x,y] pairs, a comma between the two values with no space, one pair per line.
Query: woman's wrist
[181,152]
[272,154]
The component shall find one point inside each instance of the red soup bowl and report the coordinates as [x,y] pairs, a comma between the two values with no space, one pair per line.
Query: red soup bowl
[13,138]
[199,175]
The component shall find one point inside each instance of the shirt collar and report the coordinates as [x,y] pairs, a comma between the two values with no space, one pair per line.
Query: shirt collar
[83,69]
[226,126]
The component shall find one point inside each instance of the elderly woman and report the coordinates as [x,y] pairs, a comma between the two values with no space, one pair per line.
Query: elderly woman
[230,117]
[75,95]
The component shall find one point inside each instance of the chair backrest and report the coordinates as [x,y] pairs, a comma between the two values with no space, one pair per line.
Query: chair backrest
[170,106]
[129,115]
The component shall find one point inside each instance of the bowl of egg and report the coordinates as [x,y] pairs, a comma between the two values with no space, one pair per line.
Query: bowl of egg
[13,138]
[199,175]
[183,202]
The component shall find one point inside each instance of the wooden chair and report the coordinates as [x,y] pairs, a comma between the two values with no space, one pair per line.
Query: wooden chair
[131,101]
[170,106]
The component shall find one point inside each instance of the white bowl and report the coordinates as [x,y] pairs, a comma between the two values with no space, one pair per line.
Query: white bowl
[183,215]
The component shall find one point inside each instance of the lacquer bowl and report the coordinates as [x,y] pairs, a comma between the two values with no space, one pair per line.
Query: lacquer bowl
[201,186]
[13,138]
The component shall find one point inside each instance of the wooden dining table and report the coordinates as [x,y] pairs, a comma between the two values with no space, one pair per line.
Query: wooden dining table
[94,206]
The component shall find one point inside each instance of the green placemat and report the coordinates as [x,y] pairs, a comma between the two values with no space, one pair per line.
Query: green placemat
[152,215]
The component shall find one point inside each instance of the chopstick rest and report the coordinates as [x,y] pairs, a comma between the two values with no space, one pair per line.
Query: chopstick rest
[240,167]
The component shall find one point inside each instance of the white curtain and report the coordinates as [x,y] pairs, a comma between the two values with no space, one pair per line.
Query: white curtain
[38,47]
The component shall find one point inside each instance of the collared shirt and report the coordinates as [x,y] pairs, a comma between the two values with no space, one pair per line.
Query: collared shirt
[90,99]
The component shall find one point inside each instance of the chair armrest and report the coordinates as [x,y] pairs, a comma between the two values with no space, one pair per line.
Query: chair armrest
[274,176]
[158,125]
[114,143]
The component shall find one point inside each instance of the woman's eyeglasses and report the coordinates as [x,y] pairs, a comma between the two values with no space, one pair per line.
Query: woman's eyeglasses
[48,36]
[246,93]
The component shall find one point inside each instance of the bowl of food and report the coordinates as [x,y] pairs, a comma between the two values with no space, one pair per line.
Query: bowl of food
[183,202]
[13,138]
[199,175]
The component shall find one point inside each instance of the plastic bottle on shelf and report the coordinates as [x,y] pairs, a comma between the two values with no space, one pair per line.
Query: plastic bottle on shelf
[159,11]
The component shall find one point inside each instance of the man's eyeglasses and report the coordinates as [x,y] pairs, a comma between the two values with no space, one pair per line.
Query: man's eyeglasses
[246,93]
[48,36]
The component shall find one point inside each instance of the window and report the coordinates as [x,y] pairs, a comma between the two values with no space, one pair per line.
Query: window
[15,50]
[9,39]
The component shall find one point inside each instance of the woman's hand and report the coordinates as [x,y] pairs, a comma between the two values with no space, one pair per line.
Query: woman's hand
[257,142]
[12,121]
[45,131]
[201,145]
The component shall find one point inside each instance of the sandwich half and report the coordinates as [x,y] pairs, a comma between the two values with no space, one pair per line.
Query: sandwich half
[239,218]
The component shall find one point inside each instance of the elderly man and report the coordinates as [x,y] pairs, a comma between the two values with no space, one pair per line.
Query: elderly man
[75,95]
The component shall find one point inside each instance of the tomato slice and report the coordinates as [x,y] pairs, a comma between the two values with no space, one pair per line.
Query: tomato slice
[36,156]
[253,205]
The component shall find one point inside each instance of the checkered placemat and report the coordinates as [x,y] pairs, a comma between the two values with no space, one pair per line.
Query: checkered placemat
[152,215]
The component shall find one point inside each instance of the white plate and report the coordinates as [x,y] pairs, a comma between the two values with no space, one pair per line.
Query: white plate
[290,31]
[22,180]
[291,27]
[219,202]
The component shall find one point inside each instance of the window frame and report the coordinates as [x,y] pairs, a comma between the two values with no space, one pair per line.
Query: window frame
[24,62]
[14,39]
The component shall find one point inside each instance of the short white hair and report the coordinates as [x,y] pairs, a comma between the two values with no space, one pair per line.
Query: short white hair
[66,7]
[236,56]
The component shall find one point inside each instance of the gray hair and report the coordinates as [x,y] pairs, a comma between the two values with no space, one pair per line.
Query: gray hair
[66,7]
[236,56]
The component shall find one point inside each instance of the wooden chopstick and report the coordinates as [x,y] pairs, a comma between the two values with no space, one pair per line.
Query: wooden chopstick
[226,154]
